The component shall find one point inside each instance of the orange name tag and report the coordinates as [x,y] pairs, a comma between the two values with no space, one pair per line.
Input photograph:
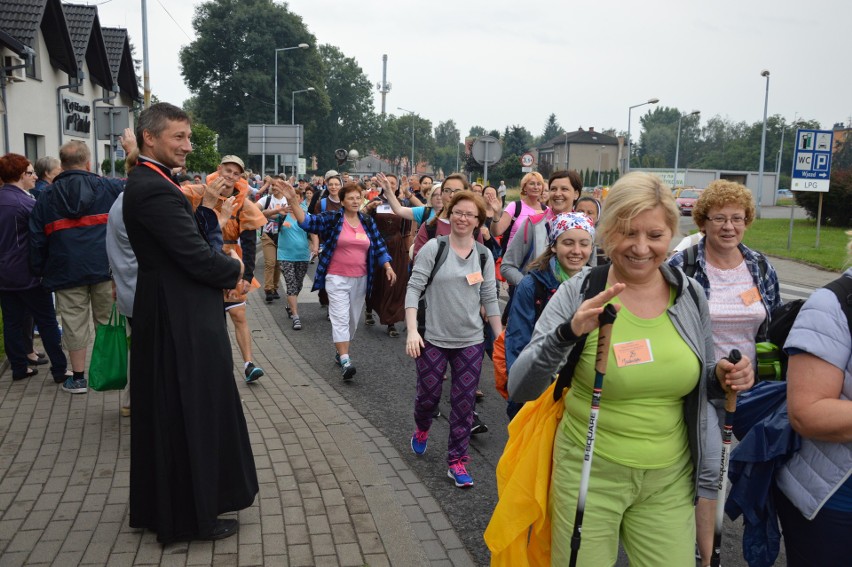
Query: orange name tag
[360,236]
[751,296]
[633,352]
[473,279]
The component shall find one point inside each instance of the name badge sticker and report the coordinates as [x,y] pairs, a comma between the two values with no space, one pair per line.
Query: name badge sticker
[633,352]
[473,279]
[384,209]
[750,297]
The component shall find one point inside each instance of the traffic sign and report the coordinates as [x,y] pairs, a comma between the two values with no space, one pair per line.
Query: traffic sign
[812,160]
[527,160]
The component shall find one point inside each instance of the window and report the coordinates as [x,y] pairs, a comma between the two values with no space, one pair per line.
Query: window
[33,67]
[33,146]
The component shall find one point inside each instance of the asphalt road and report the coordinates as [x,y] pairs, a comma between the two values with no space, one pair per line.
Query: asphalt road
[383,392]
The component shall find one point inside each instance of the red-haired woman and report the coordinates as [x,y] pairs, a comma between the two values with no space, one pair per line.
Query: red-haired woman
[21,294]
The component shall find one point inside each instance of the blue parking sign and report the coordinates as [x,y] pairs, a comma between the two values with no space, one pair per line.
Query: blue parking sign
[812,160]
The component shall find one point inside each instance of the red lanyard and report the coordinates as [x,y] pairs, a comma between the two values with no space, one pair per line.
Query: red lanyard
[158,170]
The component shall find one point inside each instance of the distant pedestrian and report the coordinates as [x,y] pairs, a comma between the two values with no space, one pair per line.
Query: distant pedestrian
[295,249]
[501,192]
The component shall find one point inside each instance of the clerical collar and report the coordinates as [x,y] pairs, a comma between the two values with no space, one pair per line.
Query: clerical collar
[155,162]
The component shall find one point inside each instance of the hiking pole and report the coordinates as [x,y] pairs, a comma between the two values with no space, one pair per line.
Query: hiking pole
[606,319]
[730,409]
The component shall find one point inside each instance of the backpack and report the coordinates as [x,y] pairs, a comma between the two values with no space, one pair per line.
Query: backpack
[541,296]
[504,244]
[440,258]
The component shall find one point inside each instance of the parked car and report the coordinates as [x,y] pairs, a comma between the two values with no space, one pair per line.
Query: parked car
[686,200]
[784,194]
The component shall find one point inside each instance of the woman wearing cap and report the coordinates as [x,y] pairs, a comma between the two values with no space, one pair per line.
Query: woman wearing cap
[352,248]
[565,187]
[570,245]
[661,372]
[454,330]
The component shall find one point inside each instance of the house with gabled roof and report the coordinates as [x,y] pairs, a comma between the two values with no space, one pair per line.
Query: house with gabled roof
[57,74]
[580,150]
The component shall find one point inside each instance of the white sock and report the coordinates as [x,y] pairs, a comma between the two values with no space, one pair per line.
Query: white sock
[246,364]
[344,358]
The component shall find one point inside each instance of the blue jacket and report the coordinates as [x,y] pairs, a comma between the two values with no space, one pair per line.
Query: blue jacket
[68,230]
[522,313]
[15,208]
[328,226]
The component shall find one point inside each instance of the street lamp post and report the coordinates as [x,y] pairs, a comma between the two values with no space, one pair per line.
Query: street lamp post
[629,139]
[600,157]
[300,46]
[293,117]
[764,73]
[677,145]
[778,161]
[411,163]
[293,102]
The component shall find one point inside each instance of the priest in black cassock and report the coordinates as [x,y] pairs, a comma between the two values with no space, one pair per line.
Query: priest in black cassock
[190,457]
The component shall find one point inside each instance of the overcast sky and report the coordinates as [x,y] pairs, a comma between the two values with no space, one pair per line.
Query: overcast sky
[500,62]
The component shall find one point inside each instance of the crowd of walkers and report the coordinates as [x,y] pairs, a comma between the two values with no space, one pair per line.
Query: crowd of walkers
[430,260]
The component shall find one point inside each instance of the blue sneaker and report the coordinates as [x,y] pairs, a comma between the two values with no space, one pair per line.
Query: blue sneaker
[419,441]
[459,474]
[253,373]
[337,359]
[72,386]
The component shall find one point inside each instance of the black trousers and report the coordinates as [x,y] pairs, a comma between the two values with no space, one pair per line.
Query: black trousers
[20,309]
[821,542]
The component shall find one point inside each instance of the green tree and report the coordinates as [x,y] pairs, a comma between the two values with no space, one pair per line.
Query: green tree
[551,129]
[447,134]
[204,157]
[476,131]
[230,68]
[394,142]
[352,121]
[837,203]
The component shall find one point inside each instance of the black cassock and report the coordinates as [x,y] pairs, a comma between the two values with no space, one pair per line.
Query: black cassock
[190,456]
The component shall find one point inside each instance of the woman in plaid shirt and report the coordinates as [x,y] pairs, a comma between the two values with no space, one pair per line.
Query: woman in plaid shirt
[352,248]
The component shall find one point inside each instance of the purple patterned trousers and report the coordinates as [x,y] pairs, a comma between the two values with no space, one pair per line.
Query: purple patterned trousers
[466,365]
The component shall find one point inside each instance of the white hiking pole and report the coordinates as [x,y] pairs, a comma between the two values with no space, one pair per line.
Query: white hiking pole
[607,318]
[730,409]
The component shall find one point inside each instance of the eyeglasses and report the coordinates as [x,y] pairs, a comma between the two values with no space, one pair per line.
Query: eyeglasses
[29,172]
[450,191]
[463,215]
[720,220]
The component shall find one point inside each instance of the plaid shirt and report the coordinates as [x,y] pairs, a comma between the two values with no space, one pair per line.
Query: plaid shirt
[328,226]
[767,285]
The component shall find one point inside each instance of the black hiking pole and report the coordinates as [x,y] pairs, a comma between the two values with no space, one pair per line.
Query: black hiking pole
[607,318]
[730,409]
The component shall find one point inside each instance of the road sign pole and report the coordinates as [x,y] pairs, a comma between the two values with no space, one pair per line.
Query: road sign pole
[485,173]
[819,219]
[793,207]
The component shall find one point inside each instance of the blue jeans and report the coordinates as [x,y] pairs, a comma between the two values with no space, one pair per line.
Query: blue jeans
[821,542]
[18,307]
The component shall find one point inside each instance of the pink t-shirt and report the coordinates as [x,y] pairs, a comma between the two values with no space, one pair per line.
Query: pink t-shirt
[526,211]
[350,257]
[736,311]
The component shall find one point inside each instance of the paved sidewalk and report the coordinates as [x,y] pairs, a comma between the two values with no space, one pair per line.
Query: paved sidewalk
[332,489]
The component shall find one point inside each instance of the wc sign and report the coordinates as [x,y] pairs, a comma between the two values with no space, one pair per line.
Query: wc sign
[812,160]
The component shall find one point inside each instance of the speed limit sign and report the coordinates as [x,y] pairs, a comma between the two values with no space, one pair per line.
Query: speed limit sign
[527,160]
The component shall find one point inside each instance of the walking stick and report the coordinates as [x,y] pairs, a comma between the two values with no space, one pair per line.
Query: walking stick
[730,409]
[606,319]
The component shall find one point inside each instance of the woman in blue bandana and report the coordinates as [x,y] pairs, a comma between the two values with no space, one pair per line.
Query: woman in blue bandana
[570,245]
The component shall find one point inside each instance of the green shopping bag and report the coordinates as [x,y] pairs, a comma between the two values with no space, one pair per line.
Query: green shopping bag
[108,369]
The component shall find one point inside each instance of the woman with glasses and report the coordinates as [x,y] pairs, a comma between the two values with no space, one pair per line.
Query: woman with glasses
[440,223]
[462,284]
[742,290]
[22,297]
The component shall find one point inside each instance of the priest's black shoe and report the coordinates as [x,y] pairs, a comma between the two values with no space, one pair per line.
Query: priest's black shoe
[221,530]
